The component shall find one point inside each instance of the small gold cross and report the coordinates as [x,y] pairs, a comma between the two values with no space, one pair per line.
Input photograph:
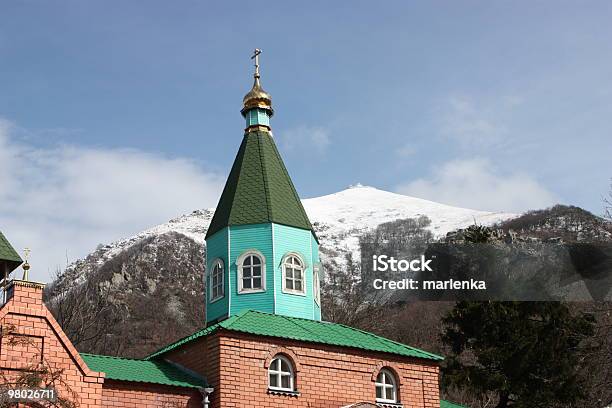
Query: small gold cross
[255,56]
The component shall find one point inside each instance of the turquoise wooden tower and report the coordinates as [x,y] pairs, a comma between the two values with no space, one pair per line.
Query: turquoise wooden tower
[262,253]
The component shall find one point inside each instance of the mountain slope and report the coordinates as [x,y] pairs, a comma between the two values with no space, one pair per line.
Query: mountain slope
[339,220]
[127,286]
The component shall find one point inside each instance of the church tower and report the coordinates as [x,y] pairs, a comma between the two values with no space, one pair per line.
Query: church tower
[262,253]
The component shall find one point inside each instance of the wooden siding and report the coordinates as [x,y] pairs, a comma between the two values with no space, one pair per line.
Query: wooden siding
[216,247]
[286,240]
[274,241]
[244,238]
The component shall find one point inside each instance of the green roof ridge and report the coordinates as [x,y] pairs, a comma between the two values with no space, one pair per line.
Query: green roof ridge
[186,339]
[265,182]
[230,321]
[146,371]
[433,355]
[304,330]
[258,189]
[202,332]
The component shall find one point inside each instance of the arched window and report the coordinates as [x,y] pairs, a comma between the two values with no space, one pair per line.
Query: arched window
[293,274]
[217,287]
[281,374]
[386,387]
[251,272]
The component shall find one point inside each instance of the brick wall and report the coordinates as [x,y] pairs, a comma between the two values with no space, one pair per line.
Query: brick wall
[33,337]
[235,365]
[326,376]
[200,356]
[124,394]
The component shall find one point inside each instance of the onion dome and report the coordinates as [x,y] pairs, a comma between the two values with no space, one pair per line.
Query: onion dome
[257,98]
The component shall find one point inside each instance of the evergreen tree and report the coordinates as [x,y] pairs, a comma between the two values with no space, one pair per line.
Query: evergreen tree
[477,234]
[525,354]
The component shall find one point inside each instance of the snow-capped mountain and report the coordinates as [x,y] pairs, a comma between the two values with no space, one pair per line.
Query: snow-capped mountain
[339,220]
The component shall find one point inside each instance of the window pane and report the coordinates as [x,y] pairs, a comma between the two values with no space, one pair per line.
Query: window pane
[389,393]
[256,283]
[257,271]
[285,382]
[298,285]
[274,366]
[247,261]
[273,380]
[289,284]
[298,274]
[289,272]
[378,392]
[246,283]
[284,366]
[256,260]
[246,272]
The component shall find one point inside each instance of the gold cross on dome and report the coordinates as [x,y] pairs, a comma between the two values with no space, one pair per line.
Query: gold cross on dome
[255,56]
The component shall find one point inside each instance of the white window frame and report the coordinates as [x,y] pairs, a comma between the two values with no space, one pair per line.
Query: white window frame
[239,265]
[284,274]
[215,263]
[388,381]
[280,373]
[316,283]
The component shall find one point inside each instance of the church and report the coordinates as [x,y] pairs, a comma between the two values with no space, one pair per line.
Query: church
[263,344]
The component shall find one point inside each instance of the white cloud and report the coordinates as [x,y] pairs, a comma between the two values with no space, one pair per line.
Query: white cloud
[477,184]
[63,201]
[305,137]
[475,123]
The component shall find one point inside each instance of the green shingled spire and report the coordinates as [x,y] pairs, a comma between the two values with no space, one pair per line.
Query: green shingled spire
[258,189]
[8,256]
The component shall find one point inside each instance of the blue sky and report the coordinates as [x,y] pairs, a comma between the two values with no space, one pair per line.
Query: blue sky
[117,115]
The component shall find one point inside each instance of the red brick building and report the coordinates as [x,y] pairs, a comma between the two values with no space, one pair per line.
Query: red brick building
[264,344]
[230,362]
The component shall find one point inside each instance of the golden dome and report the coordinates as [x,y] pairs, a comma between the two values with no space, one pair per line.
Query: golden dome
[257,98]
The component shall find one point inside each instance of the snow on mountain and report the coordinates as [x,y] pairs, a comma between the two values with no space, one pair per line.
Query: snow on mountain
[339,219]
[342,217]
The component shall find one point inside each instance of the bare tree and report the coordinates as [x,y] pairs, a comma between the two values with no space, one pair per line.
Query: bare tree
[597,354]
[85,314]
[347,299]
[38,372]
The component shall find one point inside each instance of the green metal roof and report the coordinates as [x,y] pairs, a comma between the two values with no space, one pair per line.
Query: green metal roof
[258,189]
[156,372]
[8,254]
[448,404]
[266,324]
